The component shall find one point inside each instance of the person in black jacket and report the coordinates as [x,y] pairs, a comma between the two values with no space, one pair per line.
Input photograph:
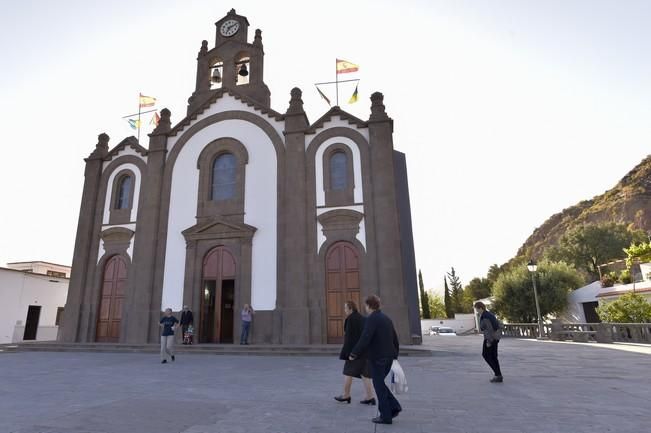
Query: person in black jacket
[379,342]
[187,320]
[353,326]
[490,327]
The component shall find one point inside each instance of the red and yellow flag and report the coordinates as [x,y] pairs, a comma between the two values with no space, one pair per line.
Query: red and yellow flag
[155,119]
[147,101]
[344,66]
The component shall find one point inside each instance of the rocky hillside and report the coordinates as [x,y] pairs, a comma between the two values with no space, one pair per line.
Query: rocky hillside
[628,202]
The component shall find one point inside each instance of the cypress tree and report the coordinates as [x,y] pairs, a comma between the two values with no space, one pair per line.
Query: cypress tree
[447,301]
[424,298]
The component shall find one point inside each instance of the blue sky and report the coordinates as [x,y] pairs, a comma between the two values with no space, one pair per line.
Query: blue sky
[508,111]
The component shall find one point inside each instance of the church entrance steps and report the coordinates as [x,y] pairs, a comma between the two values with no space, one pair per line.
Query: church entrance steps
[198,349]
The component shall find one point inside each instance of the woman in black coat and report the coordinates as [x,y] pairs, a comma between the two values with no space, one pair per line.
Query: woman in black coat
[353,326]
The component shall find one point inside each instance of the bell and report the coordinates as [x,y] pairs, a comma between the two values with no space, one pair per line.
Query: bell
[243,71]
[216,76]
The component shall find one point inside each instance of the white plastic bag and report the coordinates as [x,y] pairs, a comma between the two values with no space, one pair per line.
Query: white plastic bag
[398,378]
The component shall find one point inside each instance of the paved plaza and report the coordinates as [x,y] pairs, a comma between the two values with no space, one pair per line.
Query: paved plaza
[549,387]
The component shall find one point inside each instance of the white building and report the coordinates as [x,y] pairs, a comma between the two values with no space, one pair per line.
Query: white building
[582,303]
[32,298]
[45,268]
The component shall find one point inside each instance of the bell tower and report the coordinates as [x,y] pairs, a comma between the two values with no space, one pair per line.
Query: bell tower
[232,64]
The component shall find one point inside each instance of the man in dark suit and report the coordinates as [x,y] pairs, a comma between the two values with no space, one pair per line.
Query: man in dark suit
[187,320]
[379,342]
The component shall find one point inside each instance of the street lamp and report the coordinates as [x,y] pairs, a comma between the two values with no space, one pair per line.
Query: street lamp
[533,268]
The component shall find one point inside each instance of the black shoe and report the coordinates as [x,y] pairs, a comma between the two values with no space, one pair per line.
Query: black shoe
[497,379]
[379,420]
[395,413]
[173,358]
[370,401]
[342,399]
[164,361]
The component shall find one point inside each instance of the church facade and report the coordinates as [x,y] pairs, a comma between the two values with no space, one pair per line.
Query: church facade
[240,204]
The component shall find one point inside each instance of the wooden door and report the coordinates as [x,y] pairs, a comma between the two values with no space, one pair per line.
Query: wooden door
[112,300]
[342,284]
[219,269]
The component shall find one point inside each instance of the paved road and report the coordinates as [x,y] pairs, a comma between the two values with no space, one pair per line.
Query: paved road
[565,388]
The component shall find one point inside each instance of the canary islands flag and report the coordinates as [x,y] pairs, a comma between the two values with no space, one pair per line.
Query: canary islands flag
[147,101]
[353,98]
[344,66]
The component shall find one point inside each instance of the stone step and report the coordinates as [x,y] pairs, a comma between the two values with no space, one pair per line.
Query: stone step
[205,349]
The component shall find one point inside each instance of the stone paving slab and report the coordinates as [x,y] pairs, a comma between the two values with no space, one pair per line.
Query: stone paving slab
[548,388]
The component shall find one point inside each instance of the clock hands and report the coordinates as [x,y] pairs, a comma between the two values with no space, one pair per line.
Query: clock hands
[228,27]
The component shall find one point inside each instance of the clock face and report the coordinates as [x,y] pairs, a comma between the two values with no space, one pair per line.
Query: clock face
[229,28]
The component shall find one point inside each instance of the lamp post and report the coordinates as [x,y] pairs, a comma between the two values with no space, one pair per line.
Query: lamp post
[533,268]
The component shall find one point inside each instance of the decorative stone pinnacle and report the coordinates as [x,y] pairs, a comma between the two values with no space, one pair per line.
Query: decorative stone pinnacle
[231,12]
[102,141]
[204,48]
[257,41]
[165,124]
[101,148]
[377,107]
[296,102]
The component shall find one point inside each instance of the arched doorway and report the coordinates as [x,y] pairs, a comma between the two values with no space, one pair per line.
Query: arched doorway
[112,299]
[342,284]
[217,297]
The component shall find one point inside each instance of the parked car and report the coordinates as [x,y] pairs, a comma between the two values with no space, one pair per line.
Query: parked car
[433,330]
[445,331]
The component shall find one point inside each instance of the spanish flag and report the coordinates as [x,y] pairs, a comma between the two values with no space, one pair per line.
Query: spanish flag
[344,66]
[155,119]
[134,123]
[147,101]
[353,98]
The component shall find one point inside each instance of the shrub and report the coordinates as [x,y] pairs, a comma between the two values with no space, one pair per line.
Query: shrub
[628,308]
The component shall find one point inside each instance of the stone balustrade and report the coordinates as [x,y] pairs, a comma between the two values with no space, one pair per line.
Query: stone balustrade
[599,332]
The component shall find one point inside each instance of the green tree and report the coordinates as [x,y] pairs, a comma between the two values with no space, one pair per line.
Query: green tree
[494,272]
[447,301]
[424,297]
[456,294]
[590,245]
[514,297]
[628,308]
[436,306]
[638,253]
[478,288]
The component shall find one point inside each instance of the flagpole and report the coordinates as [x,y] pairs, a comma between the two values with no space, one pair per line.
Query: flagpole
[336,82]
[139,108]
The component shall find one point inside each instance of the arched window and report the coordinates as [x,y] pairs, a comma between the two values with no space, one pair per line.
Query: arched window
[224,177]
[338,171]
[124,192]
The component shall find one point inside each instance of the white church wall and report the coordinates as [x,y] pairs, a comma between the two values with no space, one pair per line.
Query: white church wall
[260,206]
[336,122]
[128,150]
[109,191]
[227,103]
